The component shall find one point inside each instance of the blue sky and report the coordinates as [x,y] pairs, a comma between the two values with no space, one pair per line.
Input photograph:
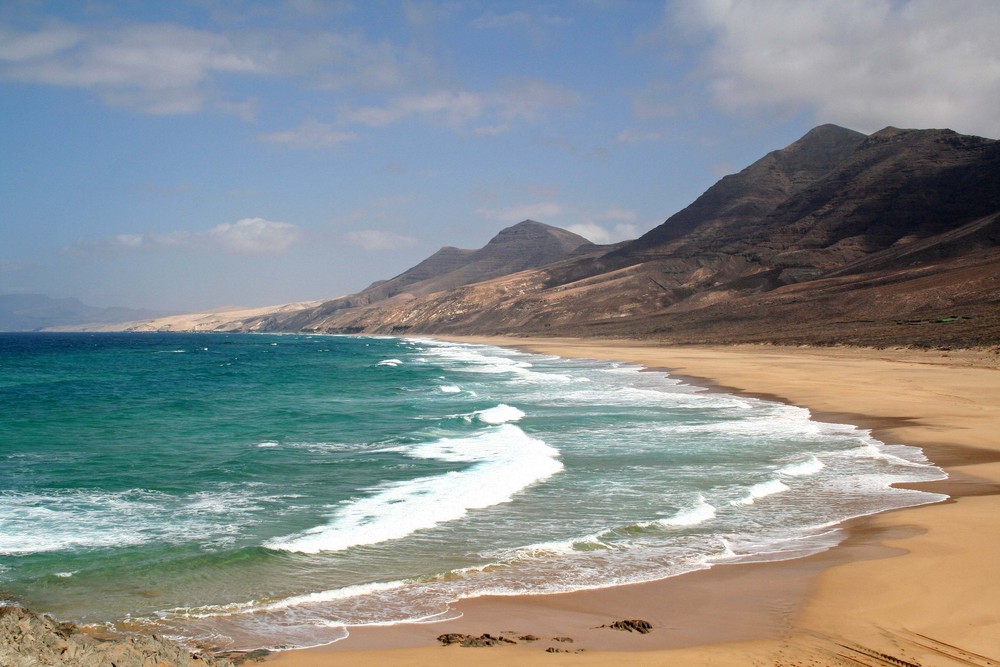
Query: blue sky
[192,154]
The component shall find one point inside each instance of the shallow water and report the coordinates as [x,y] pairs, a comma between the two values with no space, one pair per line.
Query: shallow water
[249,489]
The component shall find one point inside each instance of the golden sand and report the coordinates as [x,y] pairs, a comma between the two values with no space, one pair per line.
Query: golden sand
[914,586]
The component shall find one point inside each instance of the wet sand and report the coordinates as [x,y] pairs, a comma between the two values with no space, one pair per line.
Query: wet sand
[911,586]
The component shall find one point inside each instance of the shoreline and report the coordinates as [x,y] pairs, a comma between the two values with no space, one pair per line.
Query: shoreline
[834,607]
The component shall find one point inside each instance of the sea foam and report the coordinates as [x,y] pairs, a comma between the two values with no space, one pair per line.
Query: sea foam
[505,460]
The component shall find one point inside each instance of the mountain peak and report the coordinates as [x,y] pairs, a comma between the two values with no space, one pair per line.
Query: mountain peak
[829,131]
[731,207]
[817,151]
[534,237]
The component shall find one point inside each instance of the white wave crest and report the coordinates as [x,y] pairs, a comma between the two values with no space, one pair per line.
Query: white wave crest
[390,362]
[506,460]
[810,466]
[700,512]
[450,389]
[500,414]
[762,490]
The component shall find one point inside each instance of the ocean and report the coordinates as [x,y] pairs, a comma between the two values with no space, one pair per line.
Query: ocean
[252,490]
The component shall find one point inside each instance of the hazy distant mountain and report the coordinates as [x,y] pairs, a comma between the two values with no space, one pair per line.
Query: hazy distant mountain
[33,312]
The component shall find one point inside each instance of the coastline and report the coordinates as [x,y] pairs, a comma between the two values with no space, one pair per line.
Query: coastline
[914,584]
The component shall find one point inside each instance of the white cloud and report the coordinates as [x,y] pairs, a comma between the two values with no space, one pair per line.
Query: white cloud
[254,236]
[164,68]
[601,235]
[480,112]
[151,241]
[249,236]
[310,134]
[156,68]
[374,239]
[865,64]
[26,47]
[336,61]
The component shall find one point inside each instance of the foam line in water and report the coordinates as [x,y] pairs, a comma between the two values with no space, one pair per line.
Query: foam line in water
[505,460]
[80,519]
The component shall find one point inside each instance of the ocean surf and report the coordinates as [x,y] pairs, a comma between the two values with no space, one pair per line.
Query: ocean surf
[258,490]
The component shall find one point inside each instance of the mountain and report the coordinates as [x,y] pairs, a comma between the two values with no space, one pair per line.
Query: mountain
[526,245]
[729,209]
[839,238]
[884,239]
[33,312]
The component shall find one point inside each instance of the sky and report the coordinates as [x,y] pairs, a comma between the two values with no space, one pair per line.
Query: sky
[194,154]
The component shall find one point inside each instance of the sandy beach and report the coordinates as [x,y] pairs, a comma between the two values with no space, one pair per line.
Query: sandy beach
[916,586]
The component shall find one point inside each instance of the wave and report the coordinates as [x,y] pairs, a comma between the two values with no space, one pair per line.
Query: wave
[810,466]
[488,360]
[700,512]
[390,362]
[83,519]
[762,490]
[500,414]
[344,593]
[505,461]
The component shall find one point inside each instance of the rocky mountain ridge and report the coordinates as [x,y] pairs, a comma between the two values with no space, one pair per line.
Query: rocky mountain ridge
[885,239]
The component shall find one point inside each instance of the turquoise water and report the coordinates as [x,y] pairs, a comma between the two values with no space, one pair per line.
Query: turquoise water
[249,490]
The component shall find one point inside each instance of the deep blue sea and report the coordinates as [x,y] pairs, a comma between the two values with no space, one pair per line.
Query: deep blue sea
[263,490]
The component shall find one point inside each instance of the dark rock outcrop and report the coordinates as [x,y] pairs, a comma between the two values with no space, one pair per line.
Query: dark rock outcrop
[28,639]
[631,625]
[469,641]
